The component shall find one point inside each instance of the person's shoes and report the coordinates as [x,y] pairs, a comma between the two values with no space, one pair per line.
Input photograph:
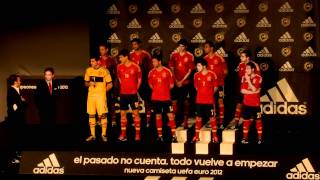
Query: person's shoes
[122,138]
[15,161]
[215,139]
[104,138]
[174,139]
[260,141]
[160,139]
[91,138]
[244,141]
[195,139]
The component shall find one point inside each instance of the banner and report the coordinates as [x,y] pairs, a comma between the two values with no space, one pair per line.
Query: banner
[169,165]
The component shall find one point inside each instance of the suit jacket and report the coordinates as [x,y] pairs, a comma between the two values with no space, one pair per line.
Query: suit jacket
[44,100]
[14,99]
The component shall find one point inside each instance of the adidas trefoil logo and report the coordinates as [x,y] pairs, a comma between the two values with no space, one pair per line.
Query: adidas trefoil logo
[286,37]
[282,101]
[286,67]
[134,24]
[264,53]
[114,38]
[176,24]
[197,9]
[303,170]
[309,52]
[155,39]
[198,38]
[49,165]
[219,24]
[112,10]
[241,9]
[308,23]
[263,23]
[285,8]
[241,38]
[154,10]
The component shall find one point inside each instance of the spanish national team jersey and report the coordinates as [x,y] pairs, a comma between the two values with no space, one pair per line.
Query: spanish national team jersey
[204,85]
[242,69]
[129,76]
[161,82]
[251,99]
[101,77]
[109,63]
[143,59]
[217,64]
[181,65]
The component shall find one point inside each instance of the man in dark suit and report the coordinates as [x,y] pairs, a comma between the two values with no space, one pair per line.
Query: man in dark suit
[16,108]
[45,98]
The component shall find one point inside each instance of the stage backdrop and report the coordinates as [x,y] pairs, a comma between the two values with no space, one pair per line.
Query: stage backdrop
[282,34]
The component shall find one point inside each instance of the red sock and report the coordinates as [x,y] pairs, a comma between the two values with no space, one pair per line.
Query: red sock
[213,122]
[259,128]
[198,126]
[159,124]
[237,113]
[137,122]
[172,124]
[246,126]
[123,122]
[221,110]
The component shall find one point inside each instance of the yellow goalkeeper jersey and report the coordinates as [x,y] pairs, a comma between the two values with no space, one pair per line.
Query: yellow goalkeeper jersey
[101,77]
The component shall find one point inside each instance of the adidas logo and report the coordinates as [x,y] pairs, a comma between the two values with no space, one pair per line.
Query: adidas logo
[263,23]
[134,24]
[222,52]
[112,10]
[114,38]
[154,10]
[241,38]
[308,23]
[282,101]
[197,9]
[155,39]
[176,24]
[303,170]
[285,8]
[286,67]
[219,24]
[241,9]
[264,53]
[286,37]
[198,38]
[49,165]
[309,52]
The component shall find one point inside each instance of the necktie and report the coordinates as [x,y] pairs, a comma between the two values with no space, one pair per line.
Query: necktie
[50,88]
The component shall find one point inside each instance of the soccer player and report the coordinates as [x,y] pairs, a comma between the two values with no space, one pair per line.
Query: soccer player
[245,57]
[181,64]
[217,64]
[206,84]
[142,58]
[161,81]
[129,76]
[250,88]
[109,63]
[99,82]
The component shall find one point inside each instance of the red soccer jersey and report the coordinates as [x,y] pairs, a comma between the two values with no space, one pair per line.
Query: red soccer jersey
[251,99]
[181,65]
[161,82]
[109,63]
[143,59]
[242,69]
[129,76]
[204,85]
[217,64]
